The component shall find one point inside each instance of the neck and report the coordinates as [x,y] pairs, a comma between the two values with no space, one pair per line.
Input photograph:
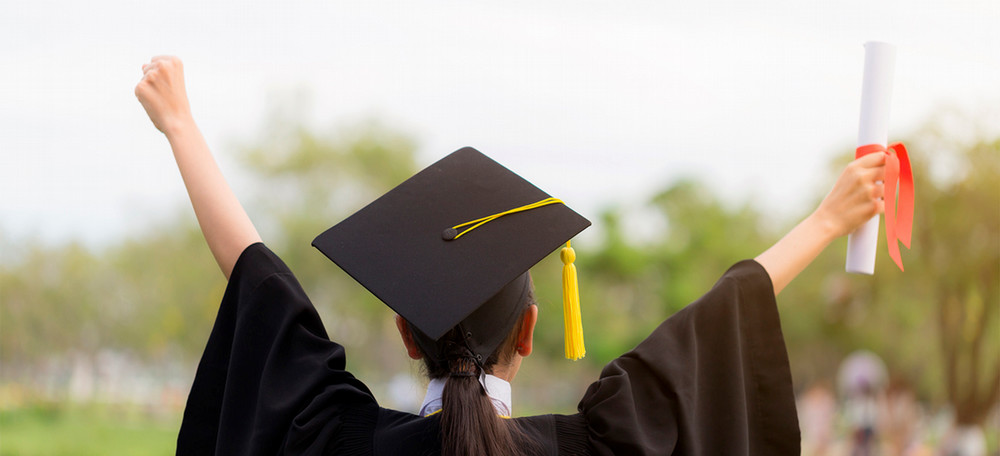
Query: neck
[507,371]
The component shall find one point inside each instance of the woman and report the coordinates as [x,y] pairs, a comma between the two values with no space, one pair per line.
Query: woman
[712,379]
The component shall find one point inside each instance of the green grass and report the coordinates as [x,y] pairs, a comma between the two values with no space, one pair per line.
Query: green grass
[54,429]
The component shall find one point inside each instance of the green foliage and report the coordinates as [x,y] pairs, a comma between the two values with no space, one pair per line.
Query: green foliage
[155,295]
[629,287]
[307,183]
[937,324]
[703,239]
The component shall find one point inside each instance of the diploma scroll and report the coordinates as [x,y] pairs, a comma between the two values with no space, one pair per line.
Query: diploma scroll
[876,93]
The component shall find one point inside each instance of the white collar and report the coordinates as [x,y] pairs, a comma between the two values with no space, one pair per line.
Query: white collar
[497,388]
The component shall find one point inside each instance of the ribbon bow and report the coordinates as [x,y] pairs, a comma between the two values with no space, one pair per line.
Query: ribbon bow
[898,215]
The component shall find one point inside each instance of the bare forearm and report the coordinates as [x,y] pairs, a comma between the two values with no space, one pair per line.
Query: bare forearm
[790,255]
[223,221]
[854,199]
[225,225]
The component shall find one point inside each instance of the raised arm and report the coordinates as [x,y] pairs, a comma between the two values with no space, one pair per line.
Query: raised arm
[854,199]
[225,225]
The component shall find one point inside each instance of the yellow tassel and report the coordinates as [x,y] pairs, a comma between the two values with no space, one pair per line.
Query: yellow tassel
[571,306]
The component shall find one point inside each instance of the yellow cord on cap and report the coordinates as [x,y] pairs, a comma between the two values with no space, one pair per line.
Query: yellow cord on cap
[489,218]
[571,290]
[571,305]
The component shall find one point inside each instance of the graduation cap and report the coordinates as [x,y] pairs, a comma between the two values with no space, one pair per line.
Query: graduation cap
[451,246]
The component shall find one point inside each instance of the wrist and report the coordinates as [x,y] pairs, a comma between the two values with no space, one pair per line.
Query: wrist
[179,127]
[824,225]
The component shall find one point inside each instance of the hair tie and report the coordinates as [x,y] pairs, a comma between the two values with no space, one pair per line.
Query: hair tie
[465,366]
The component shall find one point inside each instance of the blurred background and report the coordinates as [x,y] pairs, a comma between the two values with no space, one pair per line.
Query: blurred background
[692,134]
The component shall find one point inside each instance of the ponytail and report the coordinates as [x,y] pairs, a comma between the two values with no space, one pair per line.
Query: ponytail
[469,422]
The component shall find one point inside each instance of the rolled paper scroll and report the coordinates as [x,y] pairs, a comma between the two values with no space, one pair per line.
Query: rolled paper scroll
[876,93]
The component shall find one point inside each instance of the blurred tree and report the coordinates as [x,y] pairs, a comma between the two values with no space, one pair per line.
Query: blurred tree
[162,292]
[48,296]
[948,293]
[704,238]
[629,287]
[305,183]
[156,294]
[959,237]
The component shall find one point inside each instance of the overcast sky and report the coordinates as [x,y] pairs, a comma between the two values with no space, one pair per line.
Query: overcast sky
[596,102]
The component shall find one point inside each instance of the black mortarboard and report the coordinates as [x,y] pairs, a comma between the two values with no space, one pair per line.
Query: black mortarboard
[402,246]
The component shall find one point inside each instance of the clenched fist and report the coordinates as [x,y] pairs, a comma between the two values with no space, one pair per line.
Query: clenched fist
[161,92]
[857,195]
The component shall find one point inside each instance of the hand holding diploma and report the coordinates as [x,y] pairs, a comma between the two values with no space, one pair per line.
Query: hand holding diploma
[856,197]
[876,94]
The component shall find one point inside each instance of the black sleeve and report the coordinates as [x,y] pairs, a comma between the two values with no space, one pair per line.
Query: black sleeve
[270,380]
[712,379]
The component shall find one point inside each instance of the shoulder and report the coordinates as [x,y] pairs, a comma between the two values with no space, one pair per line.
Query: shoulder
[259,272]
[256,264]
[747,276]
[402,433]
[263,297]
[712,379]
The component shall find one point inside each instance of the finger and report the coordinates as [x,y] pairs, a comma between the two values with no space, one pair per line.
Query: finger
[874,174]
[143,90]
[167,60]
[871,160]
[149,67]
[878,191]
[144,83]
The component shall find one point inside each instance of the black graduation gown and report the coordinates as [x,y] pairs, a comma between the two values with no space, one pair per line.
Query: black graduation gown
[713,379]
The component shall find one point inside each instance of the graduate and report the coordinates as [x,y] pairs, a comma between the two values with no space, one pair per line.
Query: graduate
[449,251]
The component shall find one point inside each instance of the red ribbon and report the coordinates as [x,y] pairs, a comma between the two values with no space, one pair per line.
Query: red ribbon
[898,215]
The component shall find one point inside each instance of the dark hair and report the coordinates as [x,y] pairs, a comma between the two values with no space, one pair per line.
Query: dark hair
[469,423]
